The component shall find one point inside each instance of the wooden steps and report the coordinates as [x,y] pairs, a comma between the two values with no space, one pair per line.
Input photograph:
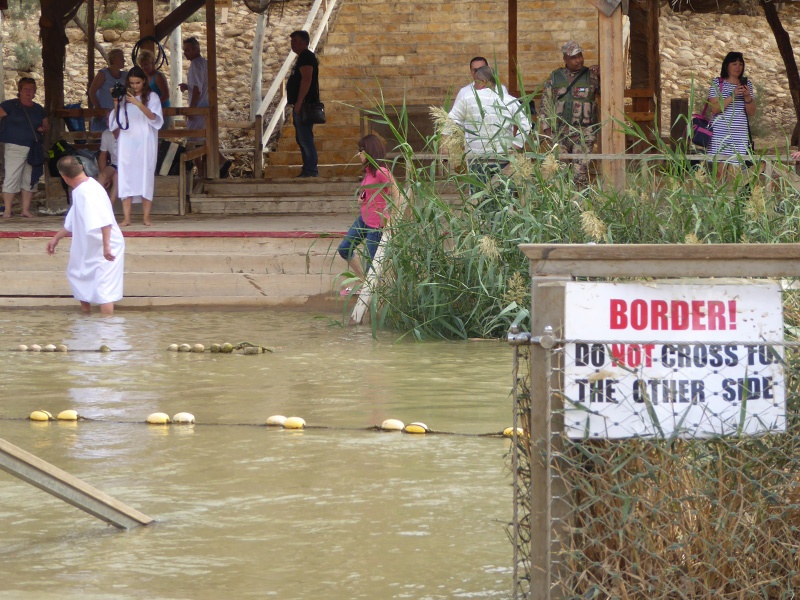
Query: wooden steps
[314,195]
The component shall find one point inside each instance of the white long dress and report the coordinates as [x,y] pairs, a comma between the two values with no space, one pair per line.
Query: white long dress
[93,278]
[137,148]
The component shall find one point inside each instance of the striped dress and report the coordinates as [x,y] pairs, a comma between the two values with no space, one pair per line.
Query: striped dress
[731,135]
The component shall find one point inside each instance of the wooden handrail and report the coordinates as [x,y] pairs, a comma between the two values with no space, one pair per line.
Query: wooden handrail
[278,85]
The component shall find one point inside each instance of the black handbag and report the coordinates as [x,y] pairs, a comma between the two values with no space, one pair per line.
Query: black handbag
[701,129]
[313,112]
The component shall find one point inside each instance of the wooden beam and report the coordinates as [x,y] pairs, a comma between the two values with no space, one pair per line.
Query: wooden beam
[178,16]
[212,122]
[664,260]
[70,489]
[612,94]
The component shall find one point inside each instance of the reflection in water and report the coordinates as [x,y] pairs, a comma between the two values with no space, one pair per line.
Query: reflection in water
[243,510]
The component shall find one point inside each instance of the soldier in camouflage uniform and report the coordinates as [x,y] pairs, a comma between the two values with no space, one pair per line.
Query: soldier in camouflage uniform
[569,108]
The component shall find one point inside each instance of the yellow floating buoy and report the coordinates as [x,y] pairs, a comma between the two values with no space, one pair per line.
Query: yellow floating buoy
[22,348]
[49,348]
[276,420]
[416,428]
[41,415]
[158,418]
[392,425]
[199,348]
[183,418]
[227,348]
[105,348]
[215,348]
[184,348]
[35,348]
[68,415]
[509,431]
[172,348]
[294,423]
[62,348]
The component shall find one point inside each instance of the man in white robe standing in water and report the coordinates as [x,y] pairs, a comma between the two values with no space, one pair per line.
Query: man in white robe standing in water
[97,255]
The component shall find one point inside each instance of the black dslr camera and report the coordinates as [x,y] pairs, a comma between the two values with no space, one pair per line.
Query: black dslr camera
[118,91]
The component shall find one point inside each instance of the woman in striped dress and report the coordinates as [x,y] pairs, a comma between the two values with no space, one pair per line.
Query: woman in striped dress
[731,99]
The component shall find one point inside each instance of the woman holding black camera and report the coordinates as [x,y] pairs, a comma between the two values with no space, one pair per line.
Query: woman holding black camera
[138,117]
[731,99]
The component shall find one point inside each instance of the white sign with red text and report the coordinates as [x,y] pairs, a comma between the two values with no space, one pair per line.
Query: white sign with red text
[673,359]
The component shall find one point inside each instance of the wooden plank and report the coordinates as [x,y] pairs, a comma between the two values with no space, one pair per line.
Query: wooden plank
[665,260]
[70,489]
[639,93]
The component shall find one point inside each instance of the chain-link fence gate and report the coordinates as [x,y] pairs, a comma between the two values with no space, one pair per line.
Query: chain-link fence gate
[666,515]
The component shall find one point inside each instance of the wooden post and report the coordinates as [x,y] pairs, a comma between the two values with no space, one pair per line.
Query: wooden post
[512,48]
[547,310]
[51,479]
[147,21]
[90,32]
[612,94]
[212,122]
[176,61]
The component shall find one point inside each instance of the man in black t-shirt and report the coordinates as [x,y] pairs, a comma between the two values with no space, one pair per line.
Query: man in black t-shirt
[303,86]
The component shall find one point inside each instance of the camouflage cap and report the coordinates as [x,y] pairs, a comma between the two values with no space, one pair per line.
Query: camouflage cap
[571,48]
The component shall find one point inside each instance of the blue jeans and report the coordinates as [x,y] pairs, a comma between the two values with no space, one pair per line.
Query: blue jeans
[304,135]
[358,232]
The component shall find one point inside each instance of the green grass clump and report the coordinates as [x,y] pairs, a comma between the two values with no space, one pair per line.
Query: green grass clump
[27,54]
[116,20]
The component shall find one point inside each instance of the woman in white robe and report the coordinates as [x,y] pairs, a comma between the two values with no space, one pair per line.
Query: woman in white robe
[138,117]
[97,254]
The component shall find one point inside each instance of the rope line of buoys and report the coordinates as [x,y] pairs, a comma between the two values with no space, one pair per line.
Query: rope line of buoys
[226,348]
[276,421]
[61,348]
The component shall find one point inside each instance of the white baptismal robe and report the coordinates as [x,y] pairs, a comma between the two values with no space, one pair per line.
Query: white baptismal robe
[137,148]
[93,278]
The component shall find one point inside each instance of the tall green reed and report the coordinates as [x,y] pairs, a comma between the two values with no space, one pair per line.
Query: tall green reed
[453,268]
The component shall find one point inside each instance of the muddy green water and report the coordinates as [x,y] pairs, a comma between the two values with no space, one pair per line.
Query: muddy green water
[243,511]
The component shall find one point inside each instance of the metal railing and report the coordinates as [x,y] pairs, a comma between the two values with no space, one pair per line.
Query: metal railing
[278,86]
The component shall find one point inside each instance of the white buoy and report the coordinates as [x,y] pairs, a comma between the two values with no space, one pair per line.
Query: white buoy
[158,418]
[35,348]
[416,428]
[199,348]
[276,420]
[62,348]
[183,418]
[22,348]
[294,423]
[41,415]
[68,415]
[509,432]
[172,348]
[184,348]
[49,348]
[392,425]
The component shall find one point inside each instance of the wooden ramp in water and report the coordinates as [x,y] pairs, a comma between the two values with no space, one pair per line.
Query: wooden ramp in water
[70,489]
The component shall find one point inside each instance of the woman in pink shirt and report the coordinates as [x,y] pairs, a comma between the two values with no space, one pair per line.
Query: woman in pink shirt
[376,188]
